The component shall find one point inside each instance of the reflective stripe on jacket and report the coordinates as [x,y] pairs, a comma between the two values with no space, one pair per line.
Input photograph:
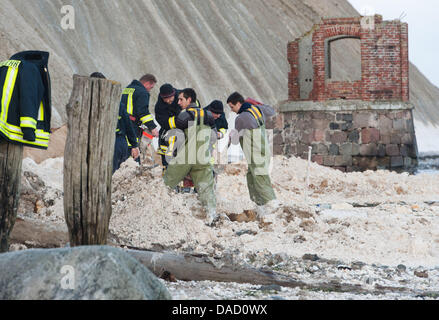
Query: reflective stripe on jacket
[254,144]
[25,99]
[136,99]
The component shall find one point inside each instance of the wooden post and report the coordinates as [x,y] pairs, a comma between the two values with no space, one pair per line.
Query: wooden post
[88,159]
[11,157]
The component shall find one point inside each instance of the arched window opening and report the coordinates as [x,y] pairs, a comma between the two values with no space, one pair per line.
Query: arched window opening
[343,59]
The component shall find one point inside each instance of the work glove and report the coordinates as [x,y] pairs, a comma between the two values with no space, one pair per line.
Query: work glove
[28,134]
[155,133]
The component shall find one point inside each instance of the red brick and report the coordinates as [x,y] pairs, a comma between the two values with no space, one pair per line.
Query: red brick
[370,135]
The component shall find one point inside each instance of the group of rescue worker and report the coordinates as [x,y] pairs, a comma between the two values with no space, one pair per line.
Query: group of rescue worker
[188,133]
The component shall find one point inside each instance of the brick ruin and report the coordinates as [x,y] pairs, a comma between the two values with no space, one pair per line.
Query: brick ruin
[352,125]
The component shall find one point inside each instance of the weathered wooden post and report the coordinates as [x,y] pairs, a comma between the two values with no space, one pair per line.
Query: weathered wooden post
[88,159]
[11,157]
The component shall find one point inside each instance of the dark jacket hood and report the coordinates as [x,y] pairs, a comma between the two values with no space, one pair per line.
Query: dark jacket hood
[245,106]
[40,58]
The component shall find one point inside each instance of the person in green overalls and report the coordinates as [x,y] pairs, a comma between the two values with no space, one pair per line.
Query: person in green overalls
[191,151]
[250,132]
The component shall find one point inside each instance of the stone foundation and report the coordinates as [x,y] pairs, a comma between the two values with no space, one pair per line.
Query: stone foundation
[348,135]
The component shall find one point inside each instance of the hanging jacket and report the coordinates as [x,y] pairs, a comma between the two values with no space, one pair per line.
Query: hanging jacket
[26,99]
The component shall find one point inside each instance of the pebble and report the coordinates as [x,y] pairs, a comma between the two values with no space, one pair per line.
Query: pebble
[277,298]
[310,270]
[271,287]
[401,267]
[324,206]
[299,239]
[421,274]
[280,257]
[315,268]
[358,265]
[17,247]
[310,257]
[249,232]
[343,267]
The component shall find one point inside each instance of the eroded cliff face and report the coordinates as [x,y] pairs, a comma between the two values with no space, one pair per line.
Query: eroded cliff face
[215,46]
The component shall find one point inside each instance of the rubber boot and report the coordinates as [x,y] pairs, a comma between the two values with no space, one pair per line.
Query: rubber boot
[212,217]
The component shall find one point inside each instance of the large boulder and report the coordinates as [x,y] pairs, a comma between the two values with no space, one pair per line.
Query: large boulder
[81,273]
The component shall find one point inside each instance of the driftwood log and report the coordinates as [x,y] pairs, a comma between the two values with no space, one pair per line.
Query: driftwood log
[88,159]
[38,235]
[11,157]
[193,267]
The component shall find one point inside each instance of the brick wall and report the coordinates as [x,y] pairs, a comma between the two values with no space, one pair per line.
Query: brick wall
[293,76]
[384,61]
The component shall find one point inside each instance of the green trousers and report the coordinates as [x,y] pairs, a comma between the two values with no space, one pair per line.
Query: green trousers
[202,176]
[259,187]
[194,159]
[254,144]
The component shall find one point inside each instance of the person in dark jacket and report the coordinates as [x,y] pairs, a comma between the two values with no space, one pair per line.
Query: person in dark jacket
[136,97]
[216,107]
[124,132]
[26,99]
[221,124]
[166,111]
